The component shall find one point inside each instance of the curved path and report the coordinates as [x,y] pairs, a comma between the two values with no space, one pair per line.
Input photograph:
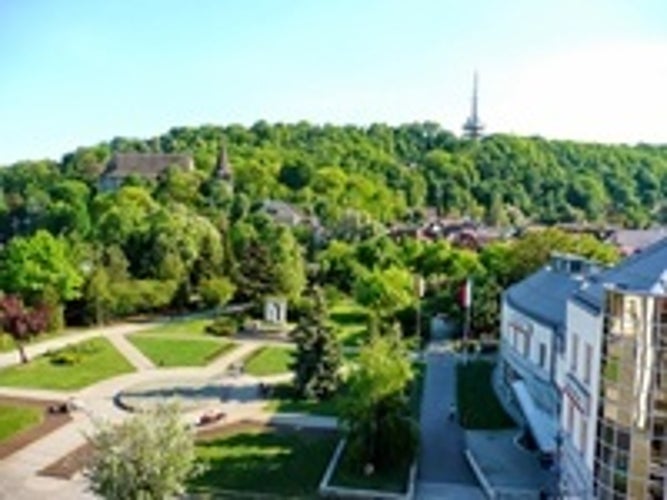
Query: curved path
[19,477]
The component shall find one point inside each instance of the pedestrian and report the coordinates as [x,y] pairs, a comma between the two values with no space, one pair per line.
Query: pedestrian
[452,412]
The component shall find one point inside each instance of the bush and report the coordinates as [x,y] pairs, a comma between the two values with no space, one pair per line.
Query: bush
[216,292]
[70,354]
[137,296]
[224,326]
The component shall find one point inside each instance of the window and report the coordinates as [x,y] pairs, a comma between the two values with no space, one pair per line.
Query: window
[583,436]
[575,353]
[526,345]
[570,417]
[543,355]
[588,360]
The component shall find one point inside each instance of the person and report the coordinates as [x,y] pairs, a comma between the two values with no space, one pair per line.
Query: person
[452,412]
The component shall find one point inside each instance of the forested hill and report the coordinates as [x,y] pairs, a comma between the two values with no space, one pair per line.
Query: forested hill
[381,172]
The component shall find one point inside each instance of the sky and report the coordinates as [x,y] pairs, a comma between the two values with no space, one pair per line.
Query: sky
[78,72]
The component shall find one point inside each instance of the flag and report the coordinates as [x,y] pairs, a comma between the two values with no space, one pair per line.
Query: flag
[465,294]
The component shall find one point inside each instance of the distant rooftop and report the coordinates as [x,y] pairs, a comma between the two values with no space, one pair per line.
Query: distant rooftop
[148,165]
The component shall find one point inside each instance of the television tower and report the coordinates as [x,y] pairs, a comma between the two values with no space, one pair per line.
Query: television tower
[473,126]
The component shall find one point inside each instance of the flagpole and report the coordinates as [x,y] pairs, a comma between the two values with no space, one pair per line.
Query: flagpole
[466,333]
[467,302]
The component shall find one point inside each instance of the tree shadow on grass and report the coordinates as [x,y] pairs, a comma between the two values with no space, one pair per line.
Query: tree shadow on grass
[280,462]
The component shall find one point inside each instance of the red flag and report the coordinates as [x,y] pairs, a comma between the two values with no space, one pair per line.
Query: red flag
[465,294]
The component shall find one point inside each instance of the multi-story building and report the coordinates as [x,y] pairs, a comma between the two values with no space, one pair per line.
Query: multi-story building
[584,366]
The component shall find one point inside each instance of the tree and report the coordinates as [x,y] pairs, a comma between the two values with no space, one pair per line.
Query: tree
[216,292]
[33,265]
[385,291]
[21,323]
[317,362]
[148,456]
[375,411]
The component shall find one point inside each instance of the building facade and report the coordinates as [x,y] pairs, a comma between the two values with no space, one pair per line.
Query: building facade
[583,367]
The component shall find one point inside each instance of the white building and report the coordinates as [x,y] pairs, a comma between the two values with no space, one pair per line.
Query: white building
[584,367]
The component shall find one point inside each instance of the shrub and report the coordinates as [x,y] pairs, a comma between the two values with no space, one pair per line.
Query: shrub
[68,355]
[216,292]
[224,326]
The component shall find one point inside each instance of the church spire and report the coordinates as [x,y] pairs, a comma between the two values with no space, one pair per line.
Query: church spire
[473,126]
[224,170]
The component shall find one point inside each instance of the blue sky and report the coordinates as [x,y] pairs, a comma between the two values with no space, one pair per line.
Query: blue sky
[78,72]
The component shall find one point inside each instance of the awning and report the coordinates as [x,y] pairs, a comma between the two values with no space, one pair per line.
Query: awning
[542,425]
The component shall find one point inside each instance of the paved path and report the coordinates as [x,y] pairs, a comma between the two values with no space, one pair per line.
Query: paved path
[442,441]
[138,359]
[447,491]
[18,472]
[11,357]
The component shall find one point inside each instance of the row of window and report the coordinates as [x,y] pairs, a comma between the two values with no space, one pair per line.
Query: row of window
[587,365]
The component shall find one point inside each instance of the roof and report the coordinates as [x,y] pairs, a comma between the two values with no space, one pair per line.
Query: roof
[632,240]
[146,164]
[544,428]
[645,271]
[543,296]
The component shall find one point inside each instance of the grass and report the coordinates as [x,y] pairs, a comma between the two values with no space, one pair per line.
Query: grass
[165,351]
[100,362]
[195,326]
[279,463]
[271,360]
[349,474]
[350,320]
[7,343]
[478,405]
[15,419]
[283,401]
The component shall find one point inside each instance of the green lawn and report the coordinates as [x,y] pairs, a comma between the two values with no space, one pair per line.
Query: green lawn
[194,326]
[165,351]
[8,344]
[279,463]
[349,474]
[283,401]
[14,419]
[478,405]
[350,321]
[100,362]
[271,360]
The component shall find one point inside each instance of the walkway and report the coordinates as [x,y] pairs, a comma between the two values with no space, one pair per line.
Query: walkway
[442,462]
[19,477]
[71,337]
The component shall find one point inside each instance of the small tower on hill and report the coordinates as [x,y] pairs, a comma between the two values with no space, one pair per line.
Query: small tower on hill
[224,168]
[473,126]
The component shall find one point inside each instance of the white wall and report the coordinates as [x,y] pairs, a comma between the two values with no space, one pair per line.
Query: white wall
[588,327]
[537,378]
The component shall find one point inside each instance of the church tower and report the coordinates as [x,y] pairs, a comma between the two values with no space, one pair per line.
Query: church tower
[473,126]
[224,168]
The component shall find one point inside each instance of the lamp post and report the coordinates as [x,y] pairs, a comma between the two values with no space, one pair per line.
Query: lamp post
[419,292]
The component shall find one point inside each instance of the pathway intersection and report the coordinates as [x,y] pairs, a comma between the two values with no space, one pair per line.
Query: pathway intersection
[19,472]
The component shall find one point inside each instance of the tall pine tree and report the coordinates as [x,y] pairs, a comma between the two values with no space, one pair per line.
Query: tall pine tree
[318,358]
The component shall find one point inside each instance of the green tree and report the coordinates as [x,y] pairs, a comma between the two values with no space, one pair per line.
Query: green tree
[318,359]
[375,410]
[35,265]
[216,292]
[149,456]
[385,291]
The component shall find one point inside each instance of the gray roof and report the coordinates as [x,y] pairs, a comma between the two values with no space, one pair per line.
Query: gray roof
[543,296]
[645,271]
[632,240]
[145,164]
